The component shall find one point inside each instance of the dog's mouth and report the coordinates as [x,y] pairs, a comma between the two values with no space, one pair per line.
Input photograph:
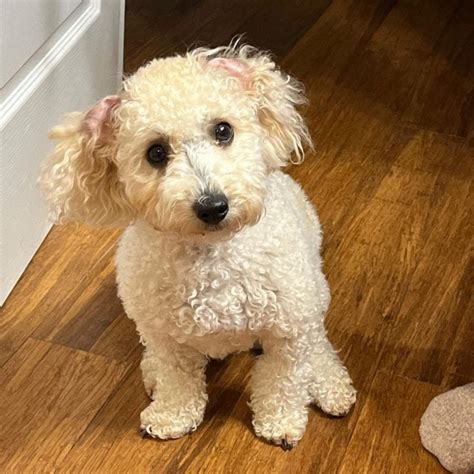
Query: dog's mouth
[221,227]
[223,230]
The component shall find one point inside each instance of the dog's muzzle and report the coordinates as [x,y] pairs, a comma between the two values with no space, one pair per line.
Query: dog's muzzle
[211,209]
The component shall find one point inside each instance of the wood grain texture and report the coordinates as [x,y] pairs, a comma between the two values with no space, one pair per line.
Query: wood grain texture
[387,429]
[49,396]
[391,91]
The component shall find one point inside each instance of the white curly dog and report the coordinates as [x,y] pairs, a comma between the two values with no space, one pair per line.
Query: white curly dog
[221,248]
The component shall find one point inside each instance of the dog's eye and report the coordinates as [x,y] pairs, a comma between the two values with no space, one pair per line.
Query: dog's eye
[157,155]
[224,134]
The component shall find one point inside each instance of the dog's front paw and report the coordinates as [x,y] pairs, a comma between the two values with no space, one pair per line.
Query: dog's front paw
[170,422]
[336,397]
[282,429]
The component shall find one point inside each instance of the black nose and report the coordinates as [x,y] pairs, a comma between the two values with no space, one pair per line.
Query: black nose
[211,209]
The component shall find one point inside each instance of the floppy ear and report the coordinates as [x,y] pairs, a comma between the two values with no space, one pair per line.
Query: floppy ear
[277,96]
[80,178]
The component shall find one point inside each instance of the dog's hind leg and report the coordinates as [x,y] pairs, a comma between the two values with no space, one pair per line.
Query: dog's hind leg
[331,386]
[174,377]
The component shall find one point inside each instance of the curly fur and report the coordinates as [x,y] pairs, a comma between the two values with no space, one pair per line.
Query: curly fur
[194,290]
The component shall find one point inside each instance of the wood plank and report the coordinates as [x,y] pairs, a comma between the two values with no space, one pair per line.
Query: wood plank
[90,314]
[386,437]
[49,395]
[443,97]
[70,257]
[395,255]
[341,191]
[321,56]
[461,358]
[119,341]
[417,324]
[183,24]
[415,25]
[418,72]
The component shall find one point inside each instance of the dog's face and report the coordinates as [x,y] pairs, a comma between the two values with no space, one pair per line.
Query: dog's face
[187,145]
[190,148]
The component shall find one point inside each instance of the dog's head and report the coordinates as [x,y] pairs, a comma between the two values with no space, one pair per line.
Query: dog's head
[186,145]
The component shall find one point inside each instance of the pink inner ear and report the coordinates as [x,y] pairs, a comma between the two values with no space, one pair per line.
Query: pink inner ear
[234,67]
[97,120]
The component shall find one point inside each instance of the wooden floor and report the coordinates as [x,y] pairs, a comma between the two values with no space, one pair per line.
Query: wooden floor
[392,112]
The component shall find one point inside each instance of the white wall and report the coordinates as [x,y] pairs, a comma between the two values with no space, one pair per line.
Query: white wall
[26,25]
[71,57]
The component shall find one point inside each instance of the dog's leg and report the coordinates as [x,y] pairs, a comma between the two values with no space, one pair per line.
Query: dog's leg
[280,397]
[331,386]
[174,377]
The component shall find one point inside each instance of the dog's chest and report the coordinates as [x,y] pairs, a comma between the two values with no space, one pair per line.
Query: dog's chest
[226,288]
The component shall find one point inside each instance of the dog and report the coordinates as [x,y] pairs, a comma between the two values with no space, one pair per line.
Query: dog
[221,248]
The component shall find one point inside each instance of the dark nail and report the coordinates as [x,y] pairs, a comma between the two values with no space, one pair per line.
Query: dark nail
[285,445]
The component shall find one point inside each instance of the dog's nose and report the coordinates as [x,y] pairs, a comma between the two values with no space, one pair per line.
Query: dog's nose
[211,209]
